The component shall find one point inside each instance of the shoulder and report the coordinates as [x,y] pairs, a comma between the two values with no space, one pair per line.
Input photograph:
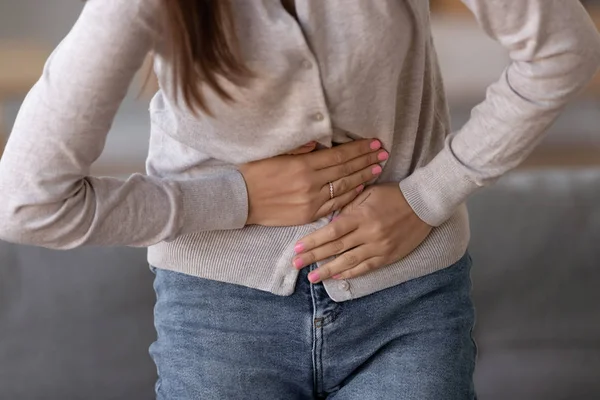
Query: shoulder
[135,14]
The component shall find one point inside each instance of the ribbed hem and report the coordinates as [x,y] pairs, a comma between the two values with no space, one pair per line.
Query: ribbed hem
[215,202]
[261,258]
[435,191]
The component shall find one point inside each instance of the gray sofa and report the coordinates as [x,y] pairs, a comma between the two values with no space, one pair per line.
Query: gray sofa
[77,325]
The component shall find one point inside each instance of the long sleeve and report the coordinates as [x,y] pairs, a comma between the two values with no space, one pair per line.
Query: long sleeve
[47,197]
[554,50]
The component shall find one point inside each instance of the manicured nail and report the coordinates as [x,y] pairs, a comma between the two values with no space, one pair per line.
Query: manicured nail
[299,248]
[376,170]
[383,156]
[359,189]
[338,276]
[375,145]
[298,263]
[310,144]
[313,277]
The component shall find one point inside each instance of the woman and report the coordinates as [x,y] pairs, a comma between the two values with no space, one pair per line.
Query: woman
[260,292]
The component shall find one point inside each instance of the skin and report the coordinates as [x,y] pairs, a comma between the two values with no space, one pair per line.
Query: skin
[375,227]
[293,189]
[374,230]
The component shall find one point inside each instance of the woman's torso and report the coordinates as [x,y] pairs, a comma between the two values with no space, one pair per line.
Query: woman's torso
[338,70]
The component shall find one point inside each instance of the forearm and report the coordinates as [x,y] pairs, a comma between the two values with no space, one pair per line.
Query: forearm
[46,194]
[554,50]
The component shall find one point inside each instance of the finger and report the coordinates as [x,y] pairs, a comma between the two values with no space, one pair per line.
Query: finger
[342,263]
[351,182]
[330,249]
[363,268]
[329,233]
[307,148]
[338,202]
[363,164]
[343,153]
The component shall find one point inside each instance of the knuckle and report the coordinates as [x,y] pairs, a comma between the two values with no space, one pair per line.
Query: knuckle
[350,259]
[367,174]
[342,186]
[307,185]
[370,214]
[331,206]
[338,246]
[332,232]
[372,159]
[309,242]
[310,258]
[346,169]
[370,266]
[299,166]
[338,156]
[375,232]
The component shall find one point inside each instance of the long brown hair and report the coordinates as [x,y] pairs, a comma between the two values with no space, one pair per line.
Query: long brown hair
[203,47]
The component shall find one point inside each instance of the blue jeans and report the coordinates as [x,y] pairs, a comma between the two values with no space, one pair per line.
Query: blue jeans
[222,341]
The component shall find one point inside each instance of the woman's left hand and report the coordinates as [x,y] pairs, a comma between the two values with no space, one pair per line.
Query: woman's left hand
[378,228]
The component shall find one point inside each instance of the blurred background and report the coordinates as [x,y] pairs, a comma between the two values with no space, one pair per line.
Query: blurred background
[76,325]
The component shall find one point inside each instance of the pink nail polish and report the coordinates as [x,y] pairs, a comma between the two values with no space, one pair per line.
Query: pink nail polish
[359,189]
[299,248]
[375,145]
[298,263]
[338,276]
[313,277]
[383,156]
[376,170]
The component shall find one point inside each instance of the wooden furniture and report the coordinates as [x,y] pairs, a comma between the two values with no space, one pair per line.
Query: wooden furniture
[21,65]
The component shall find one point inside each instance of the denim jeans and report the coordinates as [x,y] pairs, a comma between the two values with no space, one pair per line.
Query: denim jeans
[227,342]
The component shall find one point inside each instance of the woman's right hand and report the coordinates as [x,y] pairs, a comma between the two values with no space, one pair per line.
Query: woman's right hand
[294,189]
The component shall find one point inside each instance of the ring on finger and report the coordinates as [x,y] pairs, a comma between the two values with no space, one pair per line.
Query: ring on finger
[331,191]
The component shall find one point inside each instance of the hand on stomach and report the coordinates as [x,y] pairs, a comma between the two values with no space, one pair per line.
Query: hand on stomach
[294,189]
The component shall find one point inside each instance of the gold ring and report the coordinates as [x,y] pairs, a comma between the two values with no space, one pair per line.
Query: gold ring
[331,193]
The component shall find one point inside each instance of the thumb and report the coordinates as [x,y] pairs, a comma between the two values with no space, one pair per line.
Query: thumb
[307,148]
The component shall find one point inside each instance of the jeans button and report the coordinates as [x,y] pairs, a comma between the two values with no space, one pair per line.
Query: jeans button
[319,117]
[345,285]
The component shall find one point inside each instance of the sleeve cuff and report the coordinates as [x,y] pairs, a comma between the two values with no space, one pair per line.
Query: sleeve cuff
[436,190]
[217,202]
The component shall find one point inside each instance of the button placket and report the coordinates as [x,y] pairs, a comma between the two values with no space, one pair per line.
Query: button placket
[319,116]
[306,64]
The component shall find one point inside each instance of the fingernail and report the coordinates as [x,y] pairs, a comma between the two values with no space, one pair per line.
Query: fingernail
[359,190]
[376,170]
[375,145]
[310,144]
[335,218]
[383,156]
[299,248]
[338,276]
[313,277]
[298,263]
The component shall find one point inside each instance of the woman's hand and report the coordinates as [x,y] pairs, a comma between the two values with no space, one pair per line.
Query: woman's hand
[378,228]
[294,189]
